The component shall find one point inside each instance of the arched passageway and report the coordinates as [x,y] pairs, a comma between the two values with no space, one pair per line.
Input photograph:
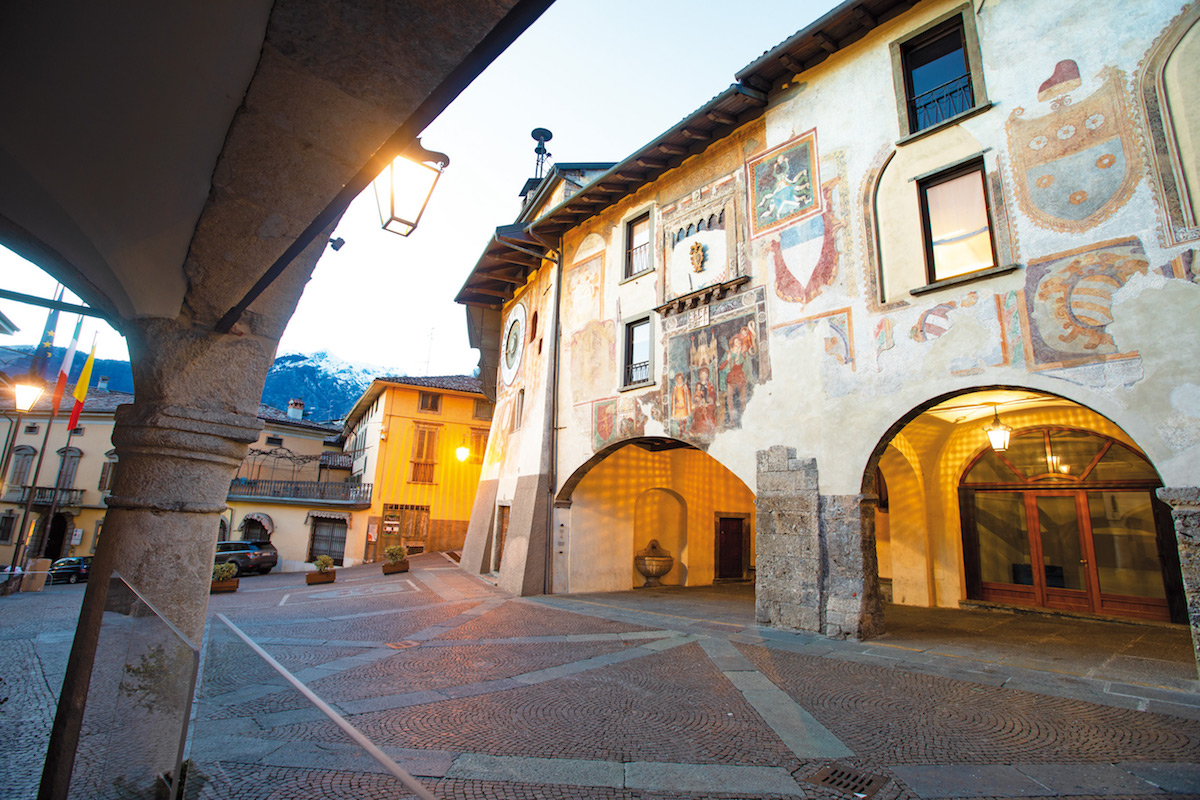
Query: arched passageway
[651,488]
[1063,515]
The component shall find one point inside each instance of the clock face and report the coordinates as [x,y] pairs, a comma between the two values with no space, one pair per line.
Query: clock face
[514,343]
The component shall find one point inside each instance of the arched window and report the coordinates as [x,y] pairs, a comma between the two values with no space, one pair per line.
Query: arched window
[67,465]
[22,463]
[1067,519]
[701,225]
[107,471]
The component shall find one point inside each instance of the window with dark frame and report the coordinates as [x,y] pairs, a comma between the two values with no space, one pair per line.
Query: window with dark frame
[431,402]
[957,222]
[937,75]
[637,352]
[637,246]
[7,523]
[483,409]
[274,441]
[479,437]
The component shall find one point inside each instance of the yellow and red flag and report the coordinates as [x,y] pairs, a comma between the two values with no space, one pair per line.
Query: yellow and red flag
[64,371]
[81,388]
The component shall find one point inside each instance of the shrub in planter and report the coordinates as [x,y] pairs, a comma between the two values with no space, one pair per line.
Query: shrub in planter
[397,559]
[325,572]
[224,578]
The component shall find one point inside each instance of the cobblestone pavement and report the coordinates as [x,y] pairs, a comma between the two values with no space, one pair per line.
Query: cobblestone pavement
[482,695]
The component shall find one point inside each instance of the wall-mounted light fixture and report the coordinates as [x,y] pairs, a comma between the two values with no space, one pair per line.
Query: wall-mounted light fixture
[997,432]
[404,187]
[27,393]
[462,452]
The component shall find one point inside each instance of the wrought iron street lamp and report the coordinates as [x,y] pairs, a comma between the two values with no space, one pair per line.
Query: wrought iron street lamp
[404,187]
[997,432]
[26,394]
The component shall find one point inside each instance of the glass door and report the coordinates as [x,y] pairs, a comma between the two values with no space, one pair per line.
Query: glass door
[1063,551]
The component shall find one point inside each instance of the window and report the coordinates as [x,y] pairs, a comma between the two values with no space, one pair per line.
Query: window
[637,246]
[938,72]
[431,402]
[67,465]
[424,455]
[8,524]
[479,437]
[22,460]
[31,428]
[518,410]
[78,430]
[483,409]
[106,472]
[274,441]
[637,352]
[328,539]
[957,227]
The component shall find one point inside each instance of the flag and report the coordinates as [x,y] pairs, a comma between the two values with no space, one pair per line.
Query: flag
[45,348]
[64,372]
[81,387]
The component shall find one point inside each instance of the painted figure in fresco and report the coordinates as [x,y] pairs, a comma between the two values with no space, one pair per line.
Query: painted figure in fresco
[786,194]
[704,405]
[681,406]
[704,353]
[739,373]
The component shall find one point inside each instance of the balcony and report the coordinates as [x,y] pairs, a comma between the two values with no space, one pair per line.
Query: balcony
[356,495]
[43,495]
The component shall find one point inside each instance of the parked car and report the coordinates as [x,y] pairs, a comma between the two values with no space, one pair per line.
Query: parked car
[248,556]
[71,569]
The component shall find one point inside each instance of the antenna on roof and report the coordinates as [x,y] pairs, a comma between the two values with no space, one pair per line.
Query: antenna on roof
[542,136]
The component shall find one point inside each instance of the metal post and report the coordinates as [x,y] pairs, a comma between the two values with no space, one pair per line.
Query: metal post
[13,583]
[62,462]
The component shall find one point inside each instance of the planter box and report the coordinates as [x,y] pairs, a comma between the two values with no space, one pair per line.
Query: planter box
[392,569]
[320,577]
[218,587]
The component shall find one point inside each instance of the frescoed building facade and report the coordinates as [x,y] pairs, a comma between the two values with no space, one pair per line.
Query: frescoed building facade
[420,442]
[772,338]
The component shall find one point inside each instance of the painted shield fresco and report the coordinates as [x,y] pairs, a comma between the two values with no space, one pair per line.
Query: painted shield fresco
[805,256]
[1077,165]
[782,182]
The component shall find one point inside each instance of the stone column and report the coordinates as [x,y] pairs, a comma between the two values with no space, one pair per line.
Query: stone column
[816,566]
[1185,511]
[789,588]
[179,445]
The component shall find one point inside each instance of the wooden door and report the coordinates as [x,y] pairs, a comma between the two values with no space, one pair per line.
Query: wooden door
[731,549]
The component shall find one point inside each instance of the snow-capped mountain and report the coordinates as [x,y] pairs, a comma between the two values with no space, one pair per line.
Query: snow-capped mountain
[327,384]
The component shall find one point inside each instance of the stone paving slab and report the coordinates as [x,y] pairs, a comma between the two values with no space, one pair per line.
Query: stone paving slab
[1168,777]
[1103,779]
[710,778]
[570,771]
[935,781]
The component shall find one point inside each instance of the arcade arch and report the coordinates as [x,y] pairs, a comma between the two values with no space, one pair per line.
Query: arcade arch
[1073,493]
[651,488]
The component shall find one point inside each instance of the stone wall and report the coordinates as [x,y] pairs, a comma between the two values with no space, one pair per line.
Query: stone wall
[1185,511]
[816,567]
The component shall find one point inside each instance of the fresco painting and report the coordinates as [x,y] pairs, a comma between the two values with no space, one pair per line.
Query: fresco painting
[781,184]
[1069,302]
[593,360]
[836,329]
[582,292]
[616,418]
[1077,165]
[805,256]
[933,322]
[711,372]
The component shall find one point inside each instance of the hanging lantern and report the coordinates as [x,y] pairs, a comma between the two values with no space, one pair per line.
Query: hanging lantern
[997,432]
[404,187]
[26,395]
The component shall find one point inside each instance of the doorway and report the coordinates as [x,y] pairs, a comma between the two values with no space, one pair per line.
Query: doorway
[1067,519]
[732,547]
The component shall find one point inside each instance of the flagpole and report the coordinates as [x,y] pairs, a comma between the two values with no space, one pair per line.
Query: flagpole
[62,462]
[63,376]
[13,583]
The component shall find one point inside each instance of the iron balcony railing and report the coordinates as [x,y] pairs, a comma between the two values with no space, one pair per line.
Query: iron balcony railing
[941,102]
[44,494]
[637,373]
[638,260]
[354,494]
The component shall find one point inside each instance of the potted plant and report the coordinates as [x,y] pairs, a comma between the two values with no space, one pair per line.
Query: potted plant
[325,572]
[224,578]
[397,559]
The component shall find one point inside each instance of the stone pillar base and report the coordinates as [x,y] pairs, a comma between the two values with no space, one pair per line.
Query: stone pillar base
[1185,511]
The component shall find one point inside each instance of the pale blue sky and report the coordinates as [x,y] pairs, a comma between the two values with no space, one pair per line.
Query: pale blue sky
[606,76]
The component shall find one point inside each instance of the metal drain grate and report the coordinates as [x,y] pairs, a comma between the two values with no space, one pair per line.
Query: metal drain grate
[859,784]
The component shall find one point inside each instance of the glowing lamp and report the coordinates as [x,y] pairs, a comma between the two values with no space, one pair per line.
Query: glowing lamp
[463,452]
[404,187]
[997,432]
[27,394]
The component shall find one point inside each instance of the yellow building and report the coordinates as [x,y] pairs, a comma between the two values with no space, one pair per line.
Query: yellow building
[420,441]
[292,487]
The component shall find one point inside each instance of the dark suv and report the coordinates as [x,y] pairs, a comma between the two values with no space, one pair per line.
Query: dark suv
[70,569]
[248,556]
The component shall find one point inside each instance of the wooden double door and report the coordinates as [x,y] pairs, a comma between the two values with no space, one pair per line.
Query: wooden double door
[1095,550]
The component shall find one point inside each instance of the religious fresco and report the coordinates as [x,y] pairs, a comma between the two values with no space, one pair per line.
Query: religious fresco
[1069,302]
[781,184]
[713,364]
[836,329]
[1077,165]
[804,256]
[593,360]
[617,418]
[583,292]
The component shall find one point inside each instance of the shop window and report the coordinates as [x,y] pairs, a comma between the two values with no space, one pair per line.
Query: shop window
[328,539]
[431,402]
[956,222]
[637,246]
[637,353]
[938,73]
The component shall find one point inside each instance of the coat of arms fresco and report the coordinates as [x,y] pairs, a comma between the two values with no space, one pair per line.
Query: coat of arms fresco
[784,184]
[1078,164]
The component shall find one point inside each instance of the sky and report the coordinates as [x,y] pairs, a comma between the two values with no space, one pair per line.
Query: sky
[605,76]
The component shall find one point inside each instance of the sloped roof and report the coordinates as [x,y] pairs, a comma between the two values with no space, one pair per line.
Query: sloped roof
[453,383]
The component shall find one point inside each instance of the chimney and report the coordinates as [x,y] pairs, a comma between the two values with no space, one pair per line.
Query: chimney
[102,383]
[295,408]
